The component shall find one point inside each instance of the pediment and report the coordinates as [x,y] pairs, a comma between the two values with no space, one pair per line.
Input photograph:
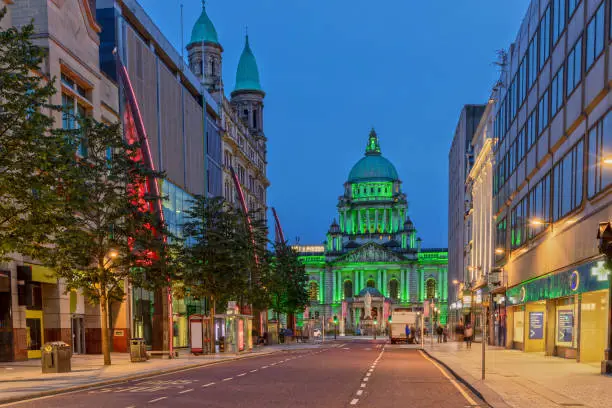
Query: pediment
[371,252]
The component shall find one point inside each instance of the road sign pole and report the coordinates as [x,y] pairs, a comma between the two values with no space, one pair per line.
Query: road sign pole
[484,338]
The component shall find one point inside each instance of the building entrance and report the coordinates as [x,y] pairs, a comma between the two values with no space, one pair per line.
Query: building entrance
[78,335]
[6,325]
[34,333]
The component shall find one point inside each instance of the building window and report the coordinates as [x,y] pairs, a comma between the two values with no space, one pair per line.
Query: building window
[227,158]
[544,35]
[521,82]
[520,145]
[574,66]
[313,291]
[72,112]
[241,174]
[530,130]
[348,289]
[228,191]
[532,54]
[394,289]
[557,92]
[518,224]
[431,288]
[558,19]
[567,179]
[543,112]
[500,238]
[539,206]
[511,158]
[600,150]
[370,283]
[595,37]
[571,7]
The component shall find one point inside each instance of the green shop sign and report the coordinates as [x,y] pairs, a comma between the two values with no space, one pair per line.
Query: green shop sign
[584,278]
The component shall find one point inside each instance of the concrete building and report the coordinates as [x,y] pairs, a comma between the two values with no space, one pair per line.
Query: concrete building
[460,160]
[373,251]
[40,309]
[241,117]
[552,181]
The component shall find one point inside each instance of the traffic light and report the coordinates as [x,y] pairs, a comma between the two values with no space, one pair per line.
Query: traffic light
[335,319]
[390,319]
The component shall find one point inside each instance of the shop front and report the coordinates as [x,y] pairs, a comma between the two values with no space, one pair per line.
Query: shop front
[562,314]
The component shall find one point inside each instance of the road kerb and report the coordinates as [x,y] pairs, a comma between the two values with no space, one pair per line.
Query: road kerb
[483,392]
[12,400]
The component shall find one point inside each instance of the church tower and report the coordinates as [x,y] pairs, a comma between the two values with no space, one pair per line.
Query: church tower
[205,55]
[248,95]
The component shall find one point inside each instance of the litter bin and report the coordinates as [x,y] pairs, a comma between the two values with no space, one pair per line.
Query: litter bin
[138,350]
[56,357]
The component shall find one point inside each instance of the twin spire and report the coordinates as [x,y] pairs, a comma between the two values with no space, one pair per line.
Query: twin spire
[373,147]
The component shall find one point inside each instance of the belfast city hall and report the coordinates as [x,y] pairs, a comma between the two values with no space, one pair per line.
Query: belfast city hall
[372,254]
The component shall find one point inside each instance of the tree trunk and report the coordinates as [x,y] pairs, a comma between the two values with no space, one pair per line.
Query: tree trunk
[212,325]
[104,321]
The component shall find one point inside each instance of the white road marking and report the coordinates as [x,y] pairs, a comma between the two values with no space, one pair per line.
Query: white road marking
[264,367]
[366,379]
[208,385]
[186,391]
[354,401]
[241,375]
[228,379]
[157,399]
[368,374]
[359,392]
[254,371]
[371,369]
[363,385]
[455,383]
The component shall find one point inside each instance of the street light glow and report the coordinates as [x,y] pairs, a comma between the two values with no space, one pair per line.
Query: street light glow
[499,251]
[113,253]
[537,222]
[607,160]
[455,282]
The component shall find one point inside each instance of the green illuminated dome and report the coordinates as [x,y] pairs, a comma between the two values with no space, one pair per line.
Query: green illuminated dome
[373,167]
[247,75]
[204,30]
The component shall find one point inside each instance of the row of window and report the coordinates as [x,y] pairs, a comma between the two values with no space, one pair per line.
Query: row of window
[561,191]
[539,51]
[430,288]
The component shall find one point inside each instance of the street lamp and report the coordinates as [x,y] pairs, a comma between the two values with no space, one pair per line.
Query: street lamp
[375,325]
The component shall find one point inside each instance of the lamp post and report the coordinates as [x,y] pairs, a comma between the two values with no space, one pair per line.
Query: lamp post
[375,325]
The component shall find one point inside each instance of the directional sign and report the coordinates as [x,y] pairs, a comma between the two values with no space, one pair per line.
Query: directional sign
[536,325]
[565,326]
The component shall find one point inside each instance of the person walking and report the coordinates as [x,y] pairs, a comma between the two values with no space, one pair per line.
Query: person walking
[439,332]
[469,332]
[459,331]
[407,330]
[445,333]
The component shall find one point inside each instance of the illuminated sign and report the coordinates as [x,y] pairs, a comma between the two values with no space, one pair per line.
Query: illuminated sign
[309,248]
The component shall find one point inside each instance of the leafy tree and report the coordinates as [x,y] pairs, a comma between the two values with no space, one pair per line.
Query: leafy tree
[287,281]
[33,156]
[112,236]
[221,260]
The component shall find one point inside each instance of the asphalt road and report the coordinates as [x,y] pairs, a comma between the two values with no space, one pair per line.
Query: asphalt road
[350,374]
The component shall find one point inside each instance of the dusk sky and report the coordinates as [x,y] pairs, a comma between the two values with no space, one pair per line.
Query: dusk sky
[332,69]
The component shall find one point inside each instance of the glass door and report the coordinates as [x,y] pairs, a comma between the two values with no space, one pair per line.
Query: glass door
[34,333]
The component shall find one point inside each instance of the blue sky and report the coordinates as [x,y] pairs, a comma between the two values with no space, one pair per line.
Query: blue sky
[332,69]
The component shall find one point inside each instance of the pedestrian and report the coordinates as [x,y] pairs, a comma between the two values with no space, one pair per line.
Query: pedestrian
[407,330]
[445,333]
[459,331]
[439,332]
[469,332]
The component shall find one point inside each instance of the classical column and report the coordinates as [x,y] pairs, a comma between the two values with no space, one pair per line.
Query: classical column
[334,289]
[401,285]
[391,220]
[376,220]
[367,220]
[385,290]
[321,287]
[407,287]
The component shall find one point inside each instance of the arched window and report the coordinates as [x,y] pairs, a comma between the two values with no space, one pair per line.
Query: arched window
[371,283]
[348,289]
[431,288]
[313,291]
[394,289]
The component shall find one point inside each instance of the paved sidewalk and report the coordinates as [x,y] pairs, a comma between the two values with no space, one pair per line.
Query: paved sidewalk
[518,379]
[24,379]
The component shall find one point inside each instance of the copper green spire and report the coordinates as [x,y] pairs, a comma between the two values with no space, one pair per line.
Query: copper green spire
[247,74]
[373,148]
[204,30]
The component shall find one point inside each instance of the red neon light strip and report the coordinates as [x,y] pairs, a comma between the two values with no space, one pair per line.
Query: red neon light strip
[277,226]
[243,204]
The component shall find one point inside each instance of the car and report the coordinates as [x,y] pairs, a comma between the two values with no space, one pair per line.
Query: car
[316,333]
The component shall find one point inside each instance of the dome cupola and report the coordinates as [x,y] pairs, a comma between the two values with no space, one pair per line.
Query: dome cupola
[373,167]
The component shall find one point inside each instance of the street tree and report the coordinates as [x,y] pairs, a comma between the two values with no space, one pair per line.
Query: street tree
[33,156]
[287,281]
[114,235]
[221,259]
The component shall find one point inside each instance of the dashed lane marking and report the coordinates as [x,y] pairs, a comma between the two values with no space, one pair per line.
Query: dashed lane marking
[228,379]
[254,371]
[354,401]
[368,374]
[264,367]
[359,392]
[241,375]
[186,391]
[157,399]
[363,385]
[366,379]
[208,385]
